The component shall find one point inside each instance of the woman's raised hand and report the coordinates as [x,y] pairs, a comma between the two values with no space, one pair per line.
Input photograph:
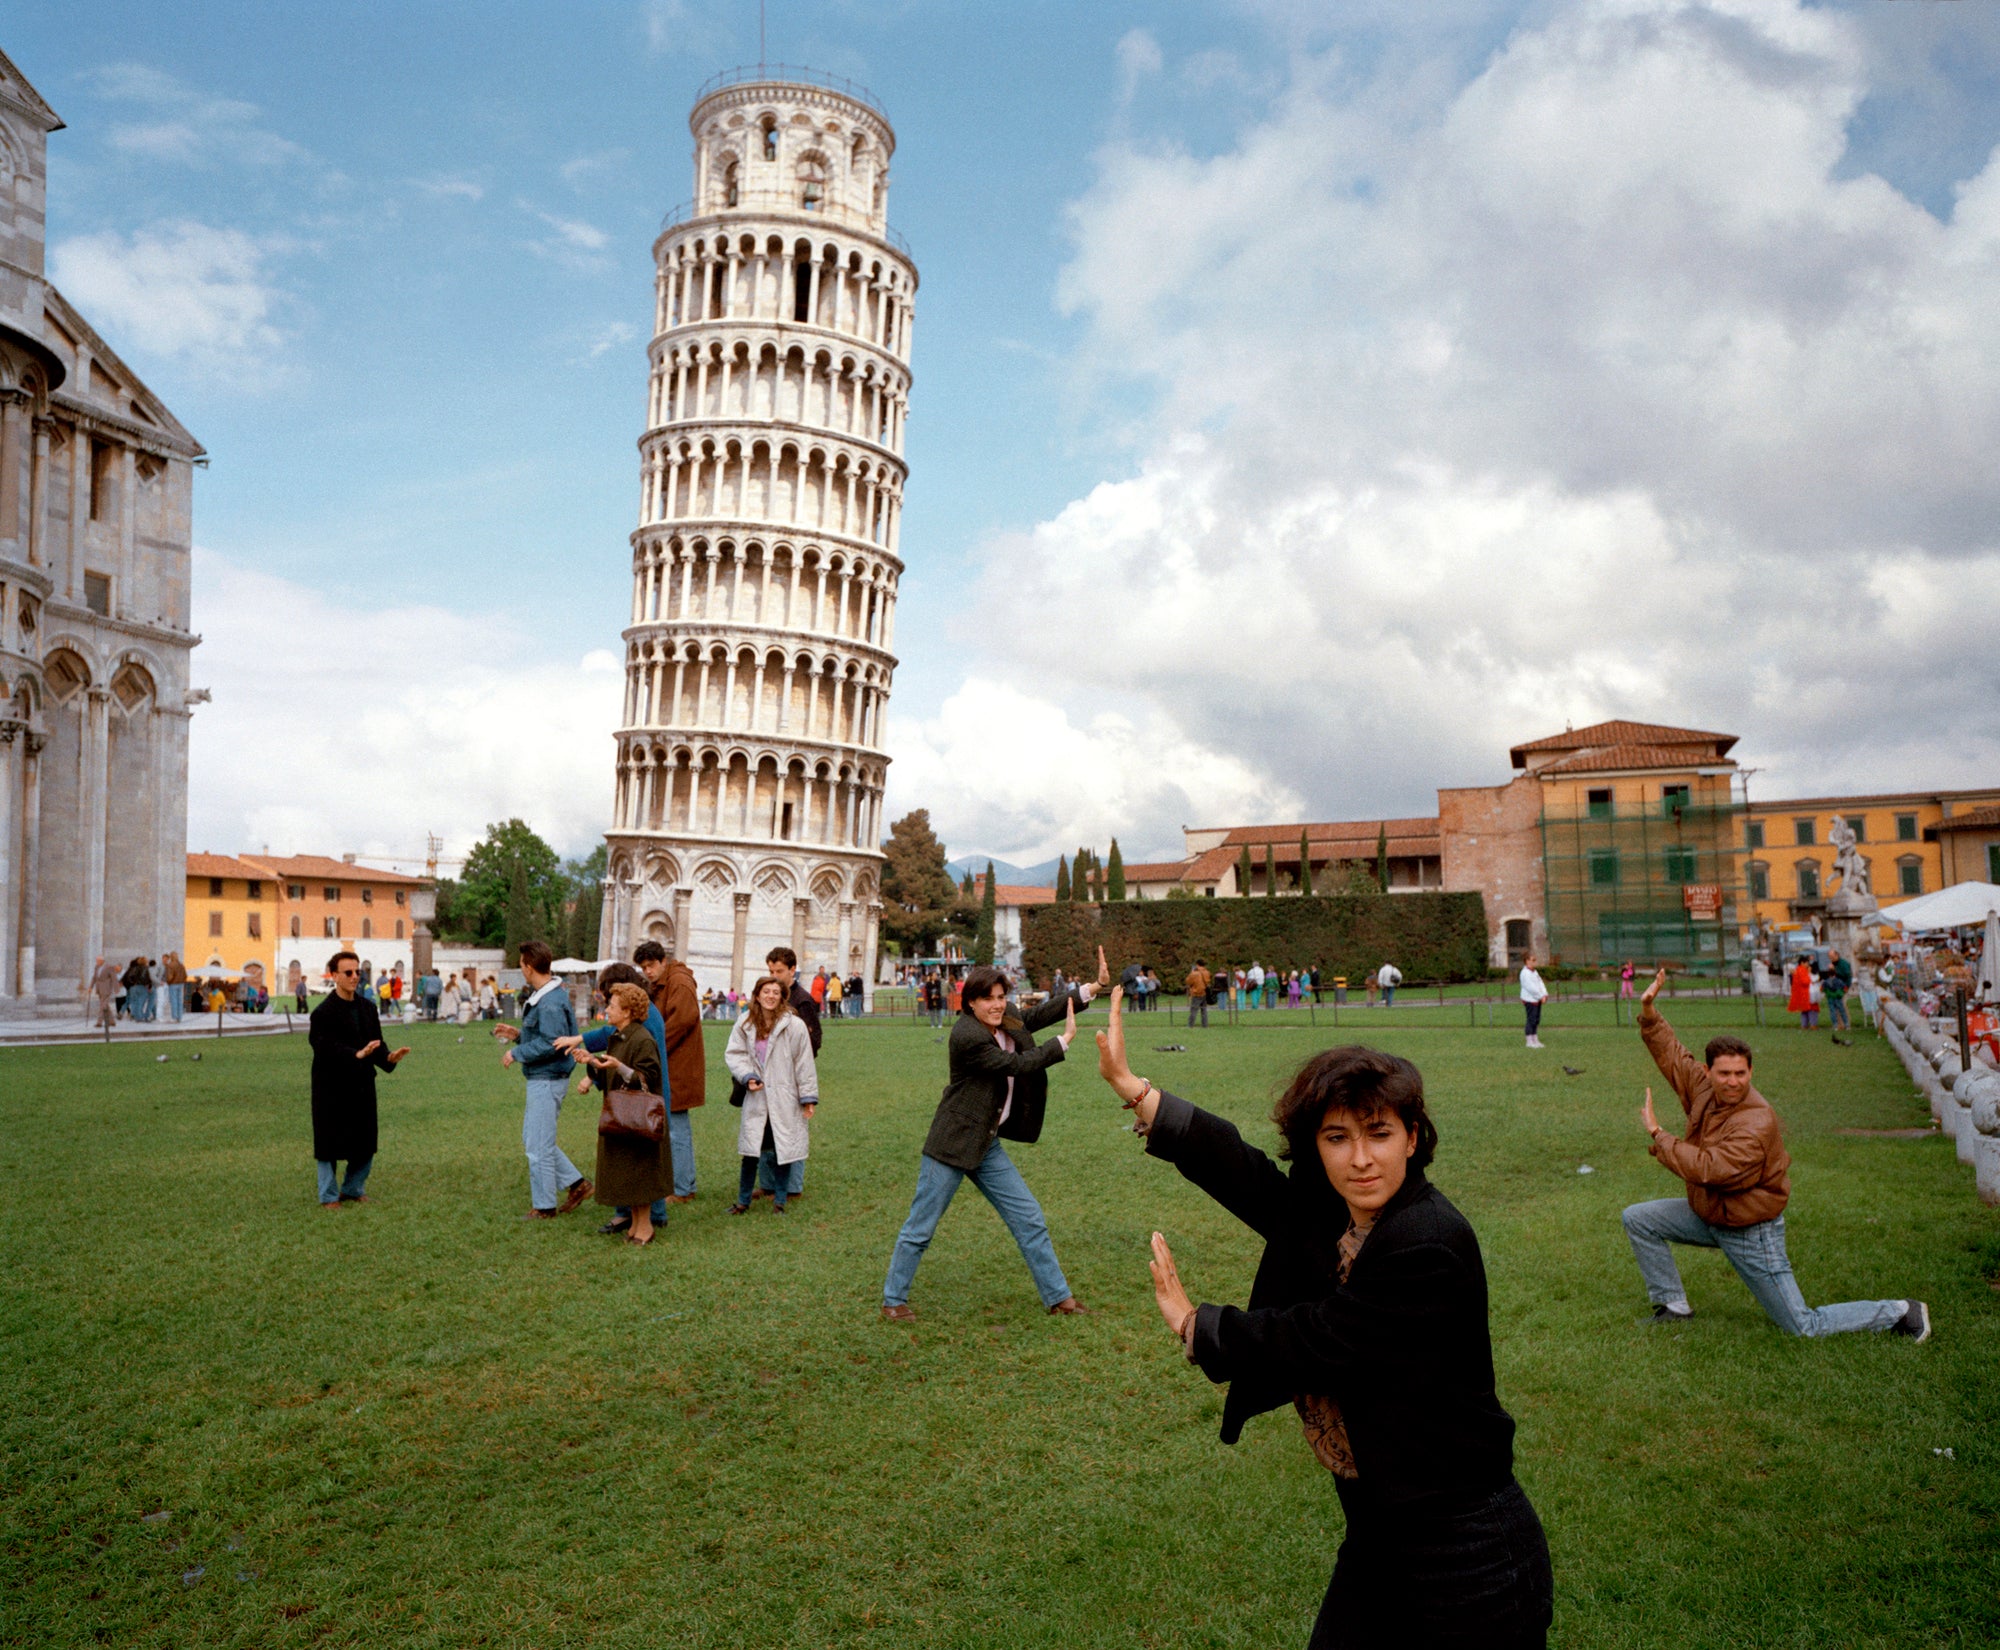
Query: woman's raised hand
[1069,1023]
[1111,1063]
[1103,971]
[1173,1300]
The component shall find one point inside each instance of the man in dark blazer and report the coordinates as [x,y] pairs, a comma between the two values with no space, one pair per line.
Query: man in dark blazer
[347,1050]
[998,1090]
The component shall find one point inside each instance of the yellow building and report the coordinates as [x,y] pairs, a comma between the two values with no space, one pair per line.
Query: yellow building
[1788,862]
[232,915]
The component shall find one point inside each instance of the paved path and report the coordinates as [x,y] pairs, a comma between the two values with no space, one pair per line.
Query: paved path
[75,1029]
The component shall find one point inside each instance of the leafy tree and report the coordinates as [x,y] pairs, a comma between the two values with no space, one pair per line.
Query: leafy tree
[1062,881]
[965,887]
[1270,870]
[1114,873]
[1243,873]
[917,890]
[473,909]
[1382,857]
[1305,866]
[982,938]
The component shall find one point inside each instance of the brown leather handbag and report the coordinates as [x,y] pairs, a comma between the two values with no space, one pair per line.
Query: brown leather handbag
[635,1113]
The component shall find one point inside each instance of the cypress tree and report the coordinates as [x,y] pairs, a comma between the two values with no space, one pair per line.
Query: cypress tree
[1270,870]
[519,913]
[1114,873]
[982,938]
[1305,865]
[1382,857]
[1062,880]
[965,887]
[1243,873]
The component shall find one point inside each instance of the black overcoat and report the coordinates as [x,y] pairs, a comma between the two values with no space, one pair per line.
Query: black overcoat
[1402,1345]
[343,1088]
[968,1115]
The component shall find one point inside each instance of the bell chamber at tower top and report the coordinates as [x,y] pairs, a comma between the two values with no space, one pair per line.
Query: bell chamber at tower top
[784,146]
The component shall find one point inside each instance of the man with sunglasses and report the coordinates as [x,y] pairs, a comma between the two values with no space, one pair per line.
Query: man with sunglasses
[347,1051]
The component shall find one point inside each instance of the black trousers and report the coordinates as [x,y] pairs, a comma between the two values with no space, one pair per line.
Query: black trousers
[1470,1576]
[1532,1014]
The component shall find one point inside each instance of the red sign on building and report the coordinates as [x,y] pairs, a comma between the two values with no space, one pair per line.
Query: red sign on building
[1702,900]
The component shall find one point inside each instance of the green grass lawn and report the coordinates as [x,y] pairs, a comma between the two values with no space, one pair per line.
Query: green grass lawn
[423,1422]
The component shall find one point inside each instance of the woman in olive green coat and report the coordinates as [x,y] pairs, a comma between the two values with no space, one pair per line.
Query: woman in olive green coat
[631,1172]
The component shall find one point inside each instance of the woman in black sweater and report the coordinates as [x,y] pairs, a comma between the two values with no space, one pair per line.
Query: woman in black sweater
[1368,1316]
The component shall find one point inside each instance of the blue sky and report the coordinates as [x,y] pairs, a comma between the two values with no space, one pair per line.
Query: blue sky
[1310,400]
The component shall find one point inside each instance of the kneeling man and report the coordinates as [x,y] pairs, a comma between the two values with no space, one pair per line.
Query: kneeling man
[1734,1163]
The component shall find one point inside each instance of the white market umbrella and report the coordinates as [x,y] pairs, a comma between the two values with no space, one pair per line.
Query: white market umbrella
[575,965]
[1989,962]
[1962,905]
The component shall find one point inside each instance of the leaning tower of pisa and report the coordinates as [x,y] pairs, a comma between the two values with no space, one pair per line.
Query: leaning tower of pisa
[765,563]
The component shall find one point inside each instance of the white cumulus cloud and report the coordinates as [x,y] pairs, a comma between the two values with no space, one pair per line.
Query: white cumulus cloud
[346,725]
[203,295]
[1589,388]
[1025,778]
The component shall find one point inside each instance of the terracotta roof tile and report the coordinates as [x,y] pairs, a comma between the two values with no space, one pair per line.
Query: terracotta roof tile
[1607,758]
[1624,733]
[1013,893]
[333,870]
[225,865]
[1159,870]
[1348,830]
[1973,819]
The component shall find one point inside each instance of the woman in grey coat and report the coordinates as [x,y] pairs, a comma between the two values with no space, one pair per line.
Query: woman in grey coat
[770,1054]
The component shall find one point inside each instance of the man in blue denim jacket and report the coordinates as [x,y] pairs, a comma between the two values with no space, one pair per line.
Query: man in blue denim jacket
[545,1016]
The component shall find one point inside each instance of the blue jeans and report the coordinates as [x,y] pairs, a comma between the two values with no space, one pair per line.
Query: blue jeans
[550,1173]
[139,1002]
[767,1174]
[1836,1008]
[680,1137]
[176,1000]
[1001,1182]
[1388,996]
[1758,1254]
[332,1187]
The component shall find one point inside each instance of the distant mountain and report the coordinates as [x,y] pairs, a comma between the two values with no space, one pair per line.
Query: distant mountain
[1004,871]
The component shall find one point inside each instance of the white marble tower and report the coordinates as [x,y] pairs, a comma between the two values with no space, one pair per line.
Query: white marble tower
[765,564]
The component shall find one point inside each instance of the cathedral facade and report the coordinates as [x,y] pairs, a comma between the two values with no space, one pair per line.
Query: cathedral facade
[96,484]
[750,767]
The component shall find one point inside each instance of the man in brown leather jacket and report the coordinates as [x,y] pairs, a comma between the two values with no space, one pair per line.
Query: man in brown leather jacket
[671,983]
[1734,1162]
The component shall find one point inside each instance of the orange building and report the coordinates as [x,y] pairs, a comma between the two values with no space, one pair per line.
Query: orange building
[1914,842]
[231,915]
[277,910]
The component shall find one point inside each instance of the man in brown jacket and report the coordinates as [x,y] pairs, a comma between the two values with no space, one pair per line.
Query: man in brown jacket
[1734,1162]
[1198,981]
[674,995]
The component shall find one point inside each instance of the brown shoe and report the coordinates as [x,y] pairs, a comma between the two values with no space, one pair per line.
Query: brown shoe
[577,1193]
[899,1314]
[331,1203]
[680,1197]
[1070,1308]
[540,1214]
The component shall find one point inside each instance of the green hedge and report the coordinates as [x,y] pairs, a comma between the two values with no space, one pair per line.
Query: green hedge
[1427,936]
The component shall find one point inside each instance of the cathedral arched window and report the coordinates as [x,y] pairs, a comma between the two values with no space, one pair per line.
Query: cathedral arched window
[769,126]
[732,192]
